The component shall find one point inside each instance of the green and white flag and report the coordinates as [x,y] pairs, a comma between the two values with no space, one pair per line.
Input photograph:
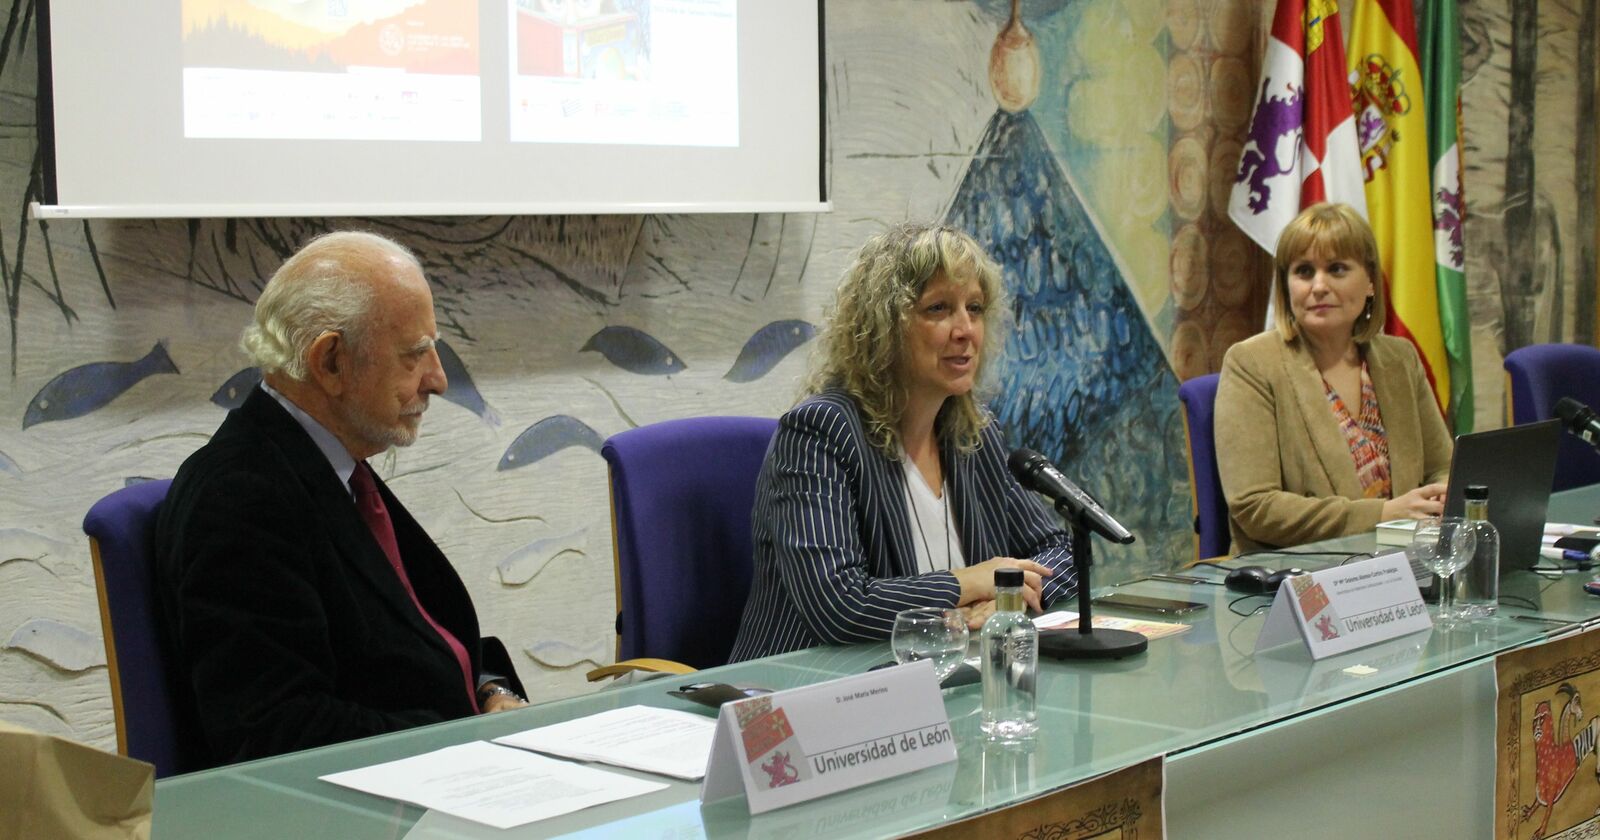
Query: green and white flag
[1441,78]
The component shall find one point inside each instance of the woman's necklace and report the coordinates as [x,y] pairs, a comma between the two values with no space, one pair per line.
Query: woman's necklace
[944,510]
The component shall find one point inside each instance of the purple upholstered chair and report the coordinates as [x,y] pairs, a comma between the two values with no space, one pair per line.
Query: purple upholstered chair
[1540,374]
[151,725]
[1199,398]
[681,496]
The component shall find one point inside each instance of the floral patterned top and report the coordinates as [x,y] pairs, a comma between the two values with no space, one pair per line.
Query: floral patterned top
[1369,443]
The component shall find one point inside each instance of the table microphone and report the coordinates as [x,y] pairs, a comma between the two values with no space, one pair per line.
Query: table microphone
[1579,420]
[1082,514]
[1035,472]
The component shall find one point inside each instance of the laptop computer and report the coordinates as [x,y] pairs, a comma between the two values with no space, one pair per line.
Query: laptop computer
[1518,465]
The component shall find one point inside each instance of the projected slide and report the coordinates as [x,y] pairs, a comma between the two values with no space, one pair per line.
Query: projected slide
[639,72]
[331,69]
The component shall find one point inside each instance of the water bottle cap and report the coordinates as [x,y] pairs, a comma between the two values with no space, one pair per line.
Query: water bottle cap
[1477,493]
[1007,577]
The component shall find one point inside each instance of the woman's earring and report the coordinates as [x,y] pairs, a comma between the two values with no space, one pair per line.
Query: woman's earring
[1366,311]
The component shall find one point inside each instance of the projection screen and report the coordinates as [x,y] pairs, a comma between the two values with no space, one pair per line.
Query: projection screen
[201,108]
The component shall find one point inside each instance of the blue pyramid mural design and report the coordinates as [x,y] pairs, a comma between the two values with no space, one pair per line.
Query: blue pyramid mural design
[1083,380]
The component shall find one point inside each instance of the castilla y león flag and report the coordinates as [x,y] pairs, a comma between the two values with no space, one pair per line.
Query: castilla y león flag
[1391,122]
[1302,144]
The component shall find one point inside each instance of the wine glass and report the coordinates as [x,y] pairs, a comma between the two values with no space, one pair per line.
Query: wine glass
[1443,545]
[934,633]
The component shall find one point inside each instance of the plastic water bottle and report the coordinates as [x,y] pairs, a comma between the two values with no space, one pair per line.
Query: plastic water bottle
[1478,585]
[1010,645]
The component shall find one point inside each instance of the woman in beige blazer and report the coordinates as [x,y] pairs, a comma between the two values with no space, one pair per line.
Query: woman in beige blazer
[1324,427]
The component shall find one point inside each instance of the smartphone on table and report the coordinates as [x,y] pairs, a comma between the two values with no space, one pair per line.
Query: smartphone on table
[1163,606]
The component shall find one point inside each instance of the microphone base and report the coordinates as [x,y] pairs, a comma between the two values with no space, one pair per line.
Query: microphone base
[1098,644]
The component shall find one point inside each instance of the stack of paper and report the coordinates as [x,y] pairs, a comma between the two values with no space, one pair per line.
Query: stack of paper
[493,785]
[664,741]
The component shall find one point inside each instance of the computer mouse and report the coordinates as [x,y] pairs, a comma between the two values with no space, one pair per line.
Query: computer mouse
[1251,580]
[1276,579]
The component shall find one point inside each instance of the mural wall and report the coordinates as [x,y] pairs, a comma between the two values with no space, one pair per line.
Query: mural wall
[1099,183]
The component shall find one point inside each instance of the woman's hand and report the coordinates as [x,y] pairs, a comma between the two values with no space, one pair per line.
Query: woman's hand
[977,614]
[977,582]
[1421,503]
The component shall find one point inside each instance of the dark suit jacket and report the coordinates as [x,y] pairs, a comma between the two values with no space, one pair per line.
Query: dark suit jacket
[286,619]
[833,543]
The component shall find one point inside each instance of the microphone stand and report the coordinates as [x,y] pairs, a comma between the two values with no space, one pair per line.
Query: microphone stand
[1087,643]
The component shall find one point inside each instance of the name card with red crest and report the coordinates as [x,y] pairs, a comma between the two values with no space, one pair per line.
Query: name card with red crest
[795,745]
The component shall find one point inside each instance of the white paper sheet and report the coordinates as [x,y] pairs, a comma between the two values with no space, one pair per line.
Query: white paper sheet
[1149,629]
[664,741]
[492,785]
[1059,618]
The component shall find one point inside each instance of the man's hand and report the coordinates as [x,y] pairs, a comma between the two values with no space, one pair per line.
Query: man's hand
[502,703]
[496,697]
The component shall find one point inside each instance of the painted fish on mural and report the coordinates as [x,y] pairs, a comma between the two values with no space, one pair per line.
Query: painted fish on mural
[462,391]
[561,655]
[89,387]
[525,563]
[22,544]
[231,394]
[547,437]
[634,351]
[769,346]
[66,647]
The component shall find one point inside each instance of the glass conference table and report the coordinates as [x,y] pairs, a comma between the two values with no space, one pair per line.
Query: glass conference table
[1398,735]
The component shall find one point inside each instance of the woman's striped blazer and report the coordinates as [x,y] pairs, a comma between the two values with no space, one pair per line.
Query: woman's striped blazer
[834,558]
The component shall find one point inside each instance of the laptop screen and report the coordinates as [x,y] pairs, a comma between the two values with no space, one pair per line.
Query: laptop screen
[1518,465]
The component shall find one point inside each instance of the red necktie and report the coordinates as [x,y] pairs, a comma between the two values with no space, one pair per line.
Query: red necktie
[376,515]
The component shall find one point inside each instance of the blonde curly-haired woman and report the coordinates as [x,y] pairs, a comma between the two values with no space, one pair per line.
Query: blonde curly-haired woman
[886,487]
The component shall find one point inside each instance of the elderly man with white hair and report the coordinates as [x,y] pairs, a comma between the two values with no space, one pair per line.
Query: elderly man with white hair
[302,603]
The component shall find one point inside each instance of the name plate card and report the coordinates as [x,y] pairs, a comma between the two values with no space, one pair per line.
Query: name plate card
[1347,607]
[795,745]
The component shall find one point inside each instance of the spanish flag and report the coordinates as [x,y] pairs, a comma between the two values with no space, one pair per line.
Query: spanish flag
[1392,129]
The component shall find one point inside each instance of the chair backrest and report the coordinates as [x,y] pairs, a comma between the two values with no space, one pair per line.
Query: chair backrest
[150,727]
[681,496]
[1199,398]
[1540,374]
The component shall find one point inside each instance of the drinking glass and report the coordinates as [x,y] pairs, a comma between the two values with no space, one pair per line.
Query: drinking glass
[931,633]
[1443,545]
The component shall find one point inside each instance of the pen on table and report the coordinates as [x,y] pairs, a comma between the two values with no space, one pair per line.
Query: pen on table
[1178,578]
[1560,622]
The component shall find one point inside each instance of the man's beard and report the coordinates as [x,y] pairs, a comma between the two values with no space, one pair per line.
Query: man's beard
[377,433]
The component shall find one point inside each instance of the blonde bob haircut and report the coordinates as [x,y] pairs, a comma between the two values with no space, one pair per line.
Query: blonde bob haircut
[1328,231]
[861,348]
[322,288]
